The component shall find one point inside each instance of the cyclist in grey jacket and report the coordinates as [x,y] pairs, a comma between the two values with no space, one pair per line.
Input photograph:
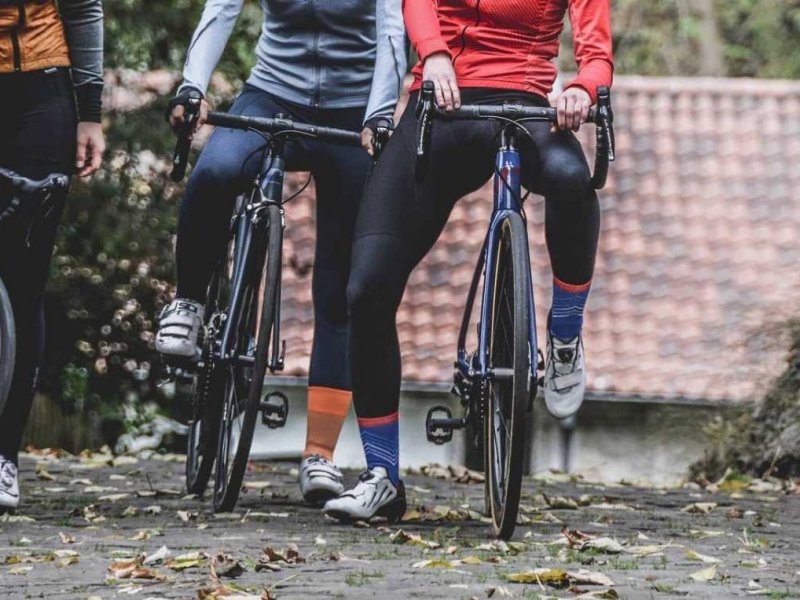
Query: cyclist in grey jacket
[338,64]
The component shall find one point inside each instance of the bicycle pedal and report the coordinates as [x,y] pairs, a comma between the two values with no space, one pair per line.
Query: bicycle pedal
[274,409]
[438,425]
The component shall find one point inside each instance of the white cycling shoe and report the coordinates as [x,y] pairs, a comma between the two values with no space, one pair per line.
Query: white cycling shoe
[373,496]
[564,376]
[9,484]
[179,327]
[320,479]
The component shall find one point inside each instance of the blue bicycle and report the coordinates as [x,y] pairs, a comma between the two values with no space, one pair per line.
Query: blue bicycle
[498,381]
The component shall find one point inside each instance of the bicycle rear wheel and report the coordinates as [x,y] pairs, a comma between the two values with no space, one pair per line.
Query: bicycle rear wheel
[507,392]
[244,383]
[7,345]
[206,396]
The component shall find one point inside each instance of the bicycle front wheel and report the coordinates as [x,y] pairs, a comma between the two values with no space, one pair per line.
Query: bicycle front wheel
[7,345]
[507,391]
[244,382]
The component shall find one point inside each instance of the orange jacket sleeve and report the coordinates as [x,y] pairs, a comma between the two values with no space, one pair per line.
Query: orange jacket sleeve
[591,34]
[422,26]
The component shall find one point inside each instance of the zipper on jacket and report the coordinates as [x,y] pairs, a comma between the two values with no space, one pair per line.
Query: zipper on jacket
[464,31]
[315,55]
[15,37]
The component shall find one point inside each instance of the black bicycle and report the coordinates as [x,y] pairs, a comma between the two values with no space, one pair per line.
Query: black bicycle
[498,381]
[22,201]
[241,337]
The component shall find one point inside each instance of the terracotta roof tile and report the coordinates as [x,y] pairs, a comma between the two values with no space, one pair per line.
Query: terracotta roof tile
[699,247]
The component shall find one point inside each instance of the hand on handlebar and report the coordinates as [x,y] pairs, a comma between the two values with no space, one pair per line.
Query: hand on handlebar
[375,134]
[438,68]
[572,108]
[177,110]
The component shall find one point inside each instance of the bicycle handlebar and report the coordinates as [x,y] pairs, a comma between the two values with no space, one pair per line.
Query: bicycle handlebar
[264,125]
[602,116]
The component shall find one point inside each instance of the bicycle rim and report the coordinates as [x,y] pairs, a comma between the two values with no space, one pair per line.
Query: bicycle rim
[507,393]
[7,345]
[244,385]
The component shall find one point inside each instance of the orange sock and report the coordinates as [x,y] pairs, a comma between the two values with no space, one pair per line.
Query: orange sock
[327,410]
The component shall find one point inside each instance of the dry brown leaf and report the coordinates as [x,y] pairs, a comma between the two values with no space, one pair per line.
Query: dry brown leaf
[66,539]
[560,502]
[402,537]
[224,565]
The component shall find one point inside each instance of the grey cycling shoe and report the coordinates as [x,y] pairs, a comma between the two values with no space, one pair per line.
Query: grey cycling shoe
[179,327]
[564,376]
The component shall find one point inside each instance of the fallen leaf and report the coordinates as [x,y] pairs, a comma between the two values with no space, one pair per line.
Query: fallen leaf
[435,563]
[560,502]
[692,555]
[20,570]
[224,565]
[156,557]
[113,497]
[187,515]
[43,474]
[190,560]
[402,537]
[256,485]
[702,534]
[706,574]
[542,576]
[699,507]
[7,518]
[604,544]
[585,577]
[66,539]
[154,509]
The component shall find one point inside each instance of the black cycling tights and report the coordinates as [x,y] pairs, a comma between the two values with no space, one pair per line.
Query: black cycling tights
[37,137]
[226,167]
[400,220]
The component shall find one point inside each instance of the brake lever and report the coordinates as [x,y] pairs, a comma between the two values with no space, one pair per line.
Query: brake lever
[604,120]
[425,107]
[180,157]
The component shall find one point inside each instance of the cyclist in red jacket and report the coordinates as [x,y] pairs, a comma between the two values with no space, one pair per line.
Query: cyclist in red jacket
[478,51]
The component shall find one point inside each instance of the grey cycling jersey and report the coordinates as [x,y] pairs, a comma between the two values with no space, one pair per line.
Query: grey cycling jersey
[325,53]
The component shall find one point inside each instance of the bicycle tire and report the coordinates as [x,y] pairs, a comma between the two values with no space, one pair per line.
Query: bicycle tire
[507,398]
[7,345]
[229,480]
[205,401]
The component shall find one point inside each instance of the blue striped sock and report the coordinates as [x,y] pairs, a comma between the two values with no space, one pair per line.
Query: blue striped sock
[566,315]
[381,440]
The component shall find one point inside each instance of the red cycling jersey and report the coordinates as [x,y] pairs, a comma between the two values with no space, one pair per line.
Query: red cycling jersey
[512,44]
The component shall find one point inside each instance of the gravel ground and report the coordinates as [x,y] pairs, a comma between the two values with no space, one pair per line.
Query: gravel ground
[92,529]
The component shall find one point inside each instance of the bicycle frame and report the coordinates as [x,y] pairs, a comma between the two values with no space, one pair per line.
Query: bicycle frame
[507,194]
[248,227]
